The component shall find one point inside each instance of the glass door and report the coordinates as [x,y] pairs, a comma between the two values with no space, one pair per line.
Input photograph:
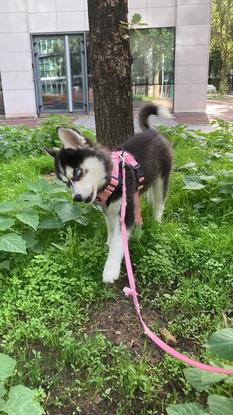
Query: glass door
[77,71]
[60,73]
[51,73]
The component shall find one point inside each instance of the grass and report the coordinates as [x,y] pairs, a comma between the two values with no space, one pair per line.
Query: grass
[60,322]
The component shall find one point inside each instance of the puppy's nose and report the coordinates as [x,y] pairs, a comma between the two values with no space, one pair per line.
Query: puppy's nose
[78,198]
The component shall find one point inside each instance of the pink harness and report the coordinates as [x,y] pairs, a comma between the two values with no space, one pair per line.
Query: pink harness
[129,159]
[131,291]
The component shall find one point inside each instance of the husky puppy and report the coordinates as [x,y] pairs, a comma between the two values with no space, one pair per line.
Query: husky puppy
[86,168]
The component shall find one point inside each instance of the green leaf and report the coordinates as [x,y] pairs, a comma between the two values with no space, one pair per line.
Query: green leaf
[206,178]
[2,390]
[29,217]
[186,409]
[7,365]
[30,237]
[45,206]
[43,186]
[188,166]
[226,188]
[52,203]
[50,222]
[221,343]
[21,402]
[201,380]
[2,403]
[192,183]
[33,198]
[229,156]
[220,405]
[217,199]
[11,242]
[82,220]
[199,206]
[8,206]
[38,186]
[6,223]
[55,187]
[229,381]
[5,265]
[67,211]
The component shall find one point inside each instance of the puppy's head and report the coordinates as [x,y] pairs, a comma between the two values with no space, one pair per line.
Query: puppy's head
[79,164]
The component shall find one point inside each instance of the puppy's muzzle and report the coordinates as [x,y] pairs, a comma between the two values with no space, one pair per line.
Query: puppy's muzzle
[78,198]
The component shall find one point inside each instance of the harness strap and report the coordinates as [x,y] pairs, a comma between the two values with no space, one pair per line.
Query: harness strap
[116,156]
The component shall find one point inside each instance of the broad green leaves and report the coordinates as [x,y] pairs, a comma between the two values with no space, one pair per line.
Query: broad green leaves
[11,242]
[29,217]
[217,405]
[17,140]
[43,206]
[201,380]
[229,156]
[68,211]
[221,343]
[186,409]
[50,222]
[20,400]
[7,366]
[43,186]
[8,206]
[6,223]
[193,183]
[189,166]
[210,178]
[32,198]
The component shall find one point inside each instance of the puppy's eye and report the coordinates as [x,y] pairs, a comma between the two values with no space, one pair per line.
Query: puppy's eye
[77,173]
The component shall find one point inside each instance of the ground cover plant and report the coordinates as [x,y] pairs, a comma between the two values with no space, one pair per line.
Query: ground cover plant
[77,340]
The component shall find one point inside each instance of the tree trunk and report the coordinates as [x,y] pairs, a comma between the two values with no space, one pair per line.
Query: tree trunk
[111,70]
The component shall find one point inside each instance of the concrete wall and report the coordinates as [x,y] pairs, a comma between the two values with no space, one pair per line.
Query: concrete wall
[192,55]
[20,18]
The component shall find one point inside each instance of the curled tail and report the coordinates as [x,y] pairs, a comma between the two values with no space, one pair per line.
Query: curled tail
[152,109]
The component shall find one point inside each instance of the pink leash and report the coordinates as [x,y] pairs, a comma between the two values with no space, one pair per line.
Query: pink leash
[133,293]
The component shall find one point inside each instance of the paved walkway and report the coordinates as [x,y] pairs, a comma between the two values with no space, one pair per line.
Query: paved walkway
[223,108]
[215,108]
[194,120]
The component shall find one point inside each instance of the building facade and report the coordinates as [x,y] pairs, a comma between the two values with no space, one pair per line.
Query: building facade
[44,55]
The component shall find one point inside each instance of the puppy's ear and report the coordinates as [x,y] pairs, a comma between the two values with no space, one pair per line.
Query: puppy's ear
[71,138]
[51,151]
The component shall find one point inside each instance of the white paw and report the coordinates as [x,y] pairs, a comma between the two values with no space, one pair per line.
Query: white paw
[110,275]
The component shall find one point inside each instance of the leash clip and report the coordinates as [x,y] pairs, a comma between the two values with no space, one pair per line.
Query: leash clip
[129,292]
[122,157]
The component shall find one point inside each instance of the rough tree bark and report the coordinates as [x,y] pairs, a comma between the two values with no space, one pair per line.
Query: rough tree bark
[111,70]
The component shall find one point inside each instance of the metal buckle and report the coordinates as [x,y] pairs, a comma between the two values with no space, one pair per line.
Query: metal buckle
[139,171]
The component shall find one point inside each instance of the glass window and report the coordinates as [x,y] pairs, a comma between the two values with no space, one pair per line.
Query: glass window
[60,71]
[153,64]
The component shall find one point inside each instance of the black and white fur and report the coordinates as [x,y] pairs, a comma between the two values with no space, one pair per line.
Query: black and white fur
[86,167]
